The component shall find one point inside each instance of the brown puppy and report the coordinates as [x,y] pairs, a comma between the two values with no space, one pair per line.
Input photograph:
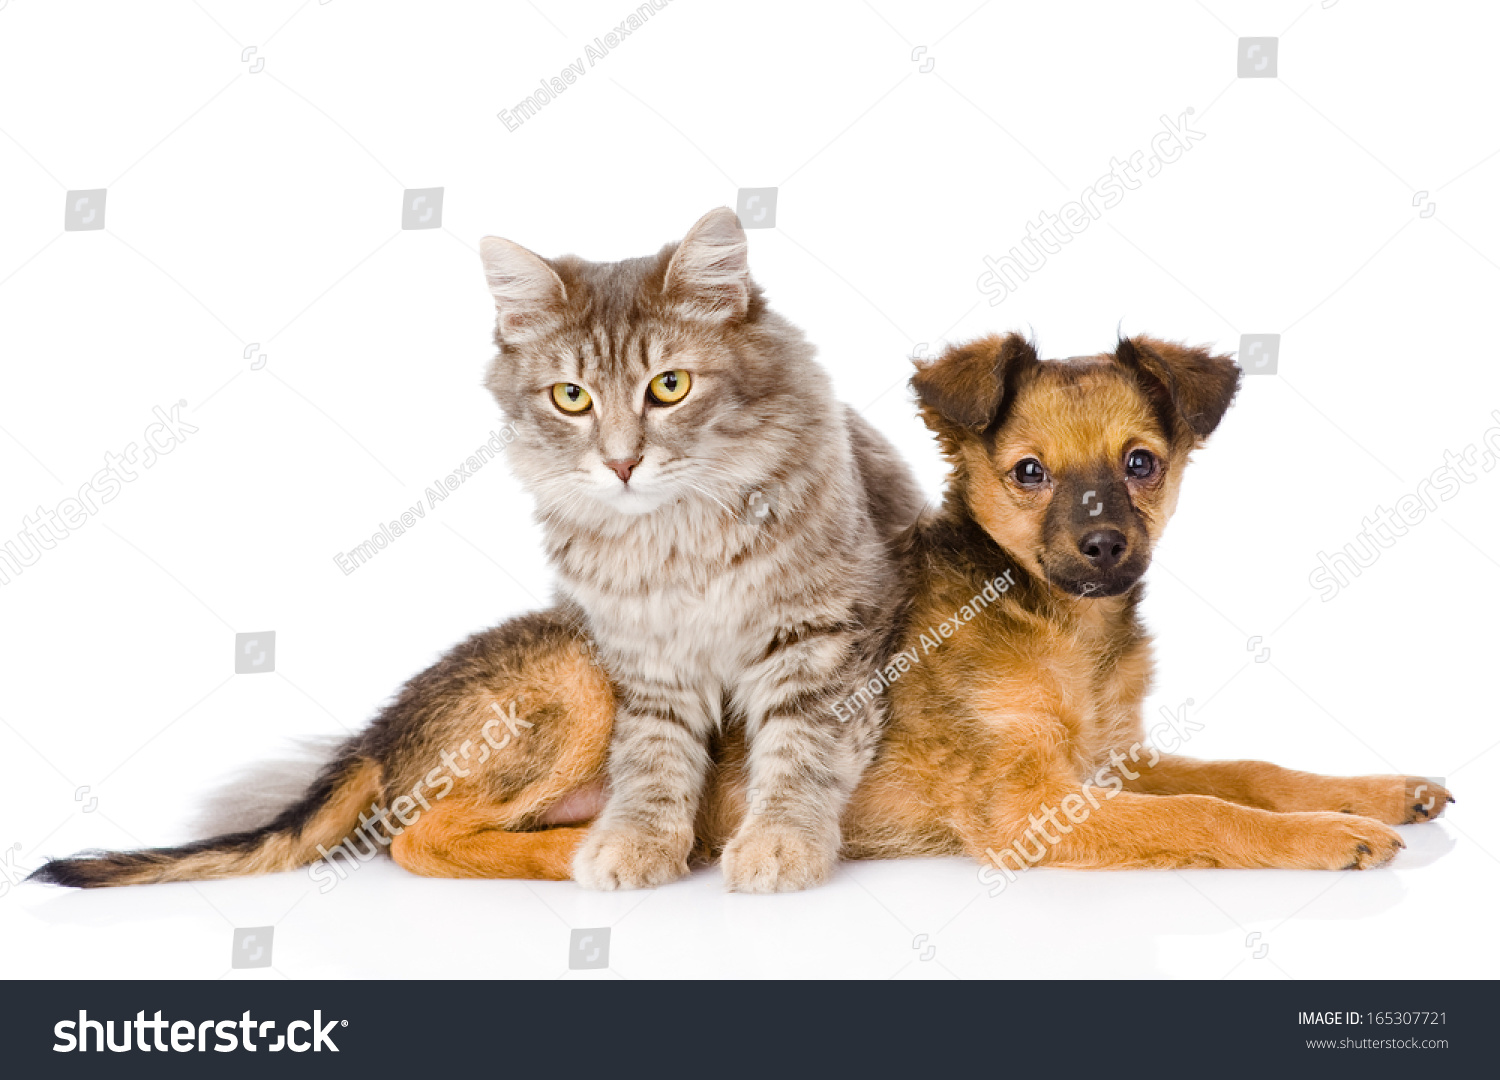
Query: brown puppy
[1014,687]
[1019,738]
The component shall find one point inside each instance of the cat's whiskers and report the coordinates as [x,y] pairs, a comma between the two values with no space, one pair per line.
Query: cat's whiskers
[741,485]
[701,490]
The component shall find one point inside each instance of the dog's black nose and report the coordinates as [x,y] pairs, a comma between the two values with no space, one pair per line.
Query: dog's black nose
[1103,547]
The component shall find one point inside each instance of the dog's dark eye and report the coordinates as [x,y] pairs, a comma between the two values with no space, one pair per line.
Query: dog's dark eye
[1141,464]
[1029,472]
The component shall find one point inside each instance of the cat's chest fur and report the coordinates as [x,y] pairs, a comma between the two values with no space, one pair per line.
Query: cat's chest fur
[694,597]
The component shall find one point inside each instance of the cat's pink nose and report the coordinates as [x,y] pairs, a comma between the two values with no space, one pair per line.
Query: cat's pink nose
[623,467]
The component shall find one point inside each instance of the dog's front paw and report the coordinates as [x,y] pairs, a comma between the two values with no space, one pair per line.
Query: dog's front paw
[1343,842]
[627,857]
[767,857]
[1395,800]
[1425,800]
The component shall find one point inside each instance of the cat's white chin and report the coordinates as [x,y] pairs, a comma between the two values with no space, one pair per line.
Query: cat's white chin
[631,500]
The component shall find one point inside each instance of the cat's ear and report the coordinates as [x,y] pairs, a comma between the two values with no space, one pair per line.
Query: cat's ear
[709,275]
[528,293]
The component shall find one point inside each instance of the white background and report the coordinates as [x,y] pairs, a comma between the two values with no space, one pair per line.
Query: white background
[265,209]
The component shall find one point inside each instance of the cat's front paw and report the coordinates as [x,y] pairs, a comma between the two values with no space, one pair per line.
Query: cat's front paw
[627,857]
[767,857]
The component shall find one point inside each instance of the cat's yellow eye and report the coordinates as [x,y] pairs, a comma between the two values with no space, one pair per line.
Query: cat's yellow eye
[571,398]
[670,387]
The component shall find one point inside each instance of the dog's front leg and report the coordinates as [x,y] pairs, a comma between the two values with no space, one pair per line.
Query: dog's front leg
[1395,800]
[1030,807]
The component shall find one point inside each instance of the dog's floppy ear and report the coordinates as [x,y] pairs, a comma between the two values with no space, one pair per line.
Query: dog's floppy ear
[1191,387]
[966,386]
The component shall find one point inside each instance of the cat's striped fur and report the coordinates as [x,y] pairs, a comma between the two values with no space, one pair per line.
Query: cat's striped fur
[738,586]
[740,575]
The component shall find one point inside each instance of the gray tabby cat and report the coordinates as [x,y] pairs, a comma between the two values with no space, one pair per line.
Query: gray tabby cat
[724,525]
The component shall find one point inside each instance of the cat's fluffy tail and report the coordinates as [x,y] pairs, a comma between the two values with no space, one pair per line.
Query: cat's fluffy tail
[325,815]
